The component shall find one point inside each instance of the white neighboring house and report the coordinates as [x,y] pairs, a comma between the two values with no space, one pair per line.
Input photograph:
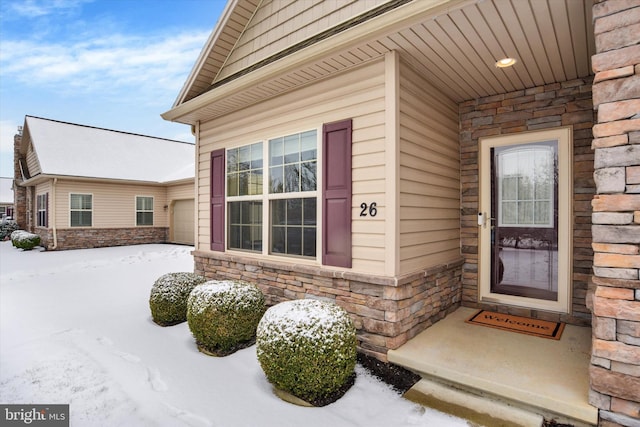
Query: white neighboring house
[85,187]
[6,197]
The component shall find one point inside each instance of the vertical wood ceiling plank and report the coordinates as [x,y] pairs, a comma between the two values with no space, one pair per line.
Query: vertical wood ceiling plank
[558,11]
[448,63]
[546,31]
[477,65]
[578,26]
[530,75]
[487,40]
[422,58]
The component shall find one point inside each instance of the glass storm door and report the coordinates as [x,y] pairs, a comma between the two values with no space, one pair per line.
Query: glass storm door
[522,221]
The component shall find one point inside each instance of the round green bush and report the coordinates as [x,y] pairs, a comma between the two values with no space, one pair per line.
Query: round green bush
[223,315]
[24,240]
[168,300]
[6,228]
[307,348]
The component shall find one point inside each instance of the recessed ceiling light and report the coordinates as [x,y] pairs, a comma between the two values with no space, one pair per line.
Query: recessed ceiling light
[505,62]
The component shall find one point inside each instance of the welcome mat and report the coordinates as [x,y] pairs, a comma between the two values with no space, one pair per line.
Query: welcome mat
[523,325]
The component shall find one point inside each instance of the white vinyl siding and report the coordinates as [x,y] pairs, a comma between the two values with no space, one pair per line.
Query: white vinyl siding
[359,95]
[429,175]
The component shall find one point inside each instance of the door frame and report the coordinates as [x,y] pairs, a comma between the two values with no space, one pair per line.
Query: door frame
[564,136]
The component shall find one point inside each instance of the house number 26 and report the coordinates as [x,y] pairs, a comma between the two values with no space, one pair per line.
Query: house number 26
[371,208]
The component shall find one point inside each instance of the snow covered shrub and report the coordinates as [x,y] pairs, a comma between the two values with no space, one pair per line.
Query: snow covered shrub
[308,349]
[223,315]
[168,300]
[6,228]
[24,240]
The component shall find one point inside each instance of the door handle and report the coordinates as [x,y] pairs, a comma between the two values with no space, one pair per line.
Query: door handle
[482,219]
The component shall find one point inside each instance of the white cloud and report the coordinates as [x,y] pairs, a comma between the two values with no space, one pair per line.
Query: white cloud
[8,128]
[143,66]
[38,8]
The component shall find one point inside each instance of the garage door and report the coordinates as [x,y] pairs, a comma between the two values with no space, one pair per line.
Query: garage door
[183,230]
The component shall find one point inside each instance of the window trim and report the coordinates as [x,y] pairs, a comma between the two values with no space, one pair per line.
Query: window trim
[266,197]
[42,215]
[136,211]
[81,210]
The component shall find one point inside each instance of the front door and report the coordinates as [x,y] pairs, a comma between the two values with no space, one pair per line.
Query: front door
[524,219]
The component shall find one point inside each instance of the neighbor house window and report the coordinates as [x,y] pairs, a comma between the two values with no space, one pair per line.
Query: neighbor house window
[289,193]
[144,210]
[81,211]
[41,206]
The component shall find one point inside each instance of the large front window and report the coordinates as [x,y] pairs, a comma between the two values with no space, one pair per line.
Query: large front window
[81,211]
[282,208]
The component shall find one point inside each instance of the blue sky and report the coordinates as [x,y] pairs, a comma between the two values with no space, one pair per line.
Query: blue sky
[115,64]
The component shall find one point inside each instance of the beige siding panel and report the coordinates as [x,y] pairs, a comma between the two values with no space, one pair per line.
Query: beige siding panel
[113,204]
[180,192]
[32,162]
[42,188]
[357,94]
[429,175]
[279,24]
[418,225]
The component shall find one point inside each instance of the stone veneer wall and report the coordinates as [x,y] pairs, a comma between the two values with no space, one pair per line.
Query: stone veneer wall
[615,361]
[82,238]
[19,193]
[542,107]
[386,311]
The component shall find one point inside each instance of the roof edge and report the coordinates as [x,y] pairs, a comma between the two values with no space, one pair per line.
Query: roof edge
[44,177]
[104,129]
[227,12]
[404,14]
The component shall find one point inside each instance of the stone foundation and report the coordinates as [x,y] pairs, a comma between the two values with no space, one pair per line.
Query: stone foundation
[83,238]
[386,311]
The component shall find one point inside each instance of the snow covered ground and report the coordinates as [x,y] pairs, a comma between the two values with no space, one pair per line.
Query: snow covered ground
[75,327]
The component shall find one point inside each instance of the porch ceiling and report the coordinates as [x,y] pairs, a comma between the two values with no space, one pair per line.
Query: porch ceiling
[454,45]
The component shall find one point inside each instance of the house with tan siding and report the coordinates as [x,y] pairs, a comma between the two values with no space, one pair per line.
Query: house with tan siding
[413,159]
[85,187]
[6,197]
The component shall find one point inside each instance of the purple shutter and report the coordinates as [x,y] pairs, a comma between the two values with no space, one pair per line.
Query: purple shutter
[46,210]
[217,200]
[336,194]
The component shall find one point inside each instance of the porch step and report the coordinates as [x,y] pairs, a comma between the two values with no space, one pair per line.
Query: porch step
[537,375]
[479,409]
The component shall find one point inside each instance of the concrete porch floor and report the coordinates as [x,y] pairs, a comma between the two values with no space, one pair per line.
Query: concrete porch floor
[544,377]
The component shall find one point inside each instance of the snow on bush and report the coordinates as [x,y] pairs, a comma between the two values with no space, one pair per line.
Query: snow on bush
[168,300]
[223,315]
[24,240]
[6,228]
[307,348]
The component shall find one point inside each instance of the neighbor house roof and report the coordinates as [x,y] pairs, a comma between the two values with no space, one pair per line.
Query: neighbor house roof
[6,191]
[67,149]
